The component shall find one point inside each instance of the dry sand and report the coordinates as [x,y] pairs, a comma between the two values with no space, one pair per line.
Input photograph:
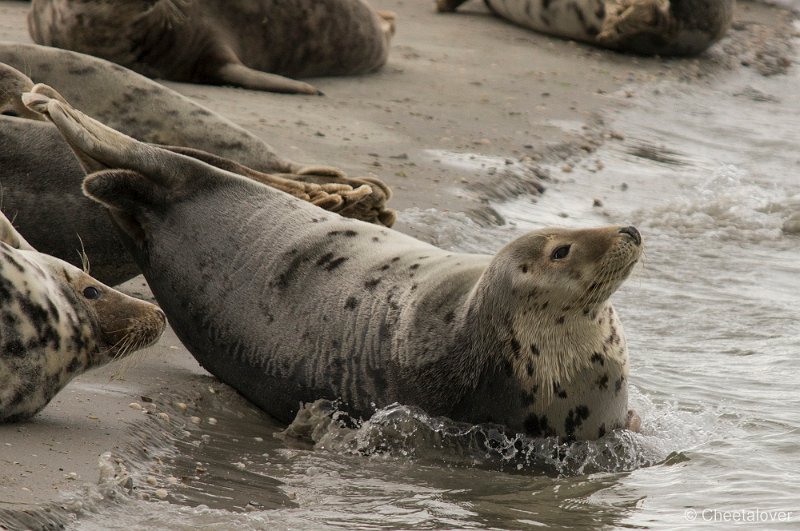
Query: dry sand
[463,82]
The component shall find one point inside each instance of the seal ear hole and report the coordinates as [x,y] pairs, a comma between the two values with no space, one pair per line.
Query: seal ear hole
[560,252]
[92,293]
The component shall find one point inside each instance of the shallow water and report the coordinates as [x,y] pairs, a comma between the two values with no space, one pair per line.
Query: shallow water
[710,177]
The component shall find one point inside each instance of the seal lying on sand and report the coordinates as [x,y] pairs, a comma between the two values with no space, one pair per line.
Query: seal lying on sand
[650,27]
[57,322]
[40,183]
[150,112]
[288,303]
[228,42]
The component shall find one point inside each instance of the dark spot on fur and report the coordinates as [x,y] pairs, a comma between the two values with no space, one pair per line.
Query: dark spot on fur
[413,287]
[544,305]
[384,267]
[376,239]
[524,268]
[515,347]
[598,358]
[558,390]
[602,382]
[537,426]
[535,350]
[395,259]
[13,348]
[574,420]
[530,368]
[618,384]
[560,320]
[414,266]
[370,284]
[335,263]
[347,233]
[527,398]
[449,316]
[351,303]
[324,259]
[336,344]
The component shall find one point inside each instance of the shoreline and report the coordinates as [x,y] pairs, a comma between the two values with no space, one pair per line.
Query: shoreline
[543,104]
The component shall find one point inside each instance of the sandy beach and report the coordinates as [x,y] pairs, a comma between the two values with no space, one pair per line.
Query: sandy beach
[464,82]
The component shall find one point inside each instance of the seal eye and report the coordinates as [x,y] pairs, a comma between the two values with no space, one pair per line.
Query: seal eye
[560,252]
[91,293]
[10,113]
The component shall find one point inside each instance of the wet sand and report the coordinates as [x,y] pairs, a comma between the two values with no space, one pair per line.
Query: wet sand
[463,82]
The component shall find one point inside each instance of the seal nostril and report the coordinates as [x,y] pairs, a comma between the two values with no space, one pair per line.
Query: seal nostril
[633,233]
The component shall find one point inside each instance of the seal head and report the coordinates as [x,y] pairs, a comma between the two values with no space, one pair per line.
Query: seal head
[57,322]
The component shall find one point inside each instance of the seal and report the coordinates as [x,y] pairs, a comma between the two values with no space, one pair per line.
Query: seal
[12,84]
[57,322]
[647,27]
[251,44]
[151,112]
[289,304]
[54,215]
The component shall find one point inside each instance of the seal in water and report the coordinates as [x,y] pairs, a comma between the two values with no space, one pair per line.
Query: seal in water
[57,322]
[288,304]
[57,219]
[648,27]
[227,42]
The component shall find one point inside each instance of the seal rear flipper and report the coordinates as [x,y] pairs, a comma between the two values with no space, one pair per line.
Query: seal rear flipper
[124,193]
[243,76]
[99,147]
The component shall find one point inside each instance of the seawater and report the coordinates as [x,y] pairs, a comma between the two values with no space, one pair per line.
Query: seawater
[711,177]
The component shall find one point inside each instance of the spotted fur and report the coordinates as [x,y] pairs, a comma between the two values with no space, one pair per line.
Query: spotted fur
[663,27]
[56,322]
[222,41]
[289,304]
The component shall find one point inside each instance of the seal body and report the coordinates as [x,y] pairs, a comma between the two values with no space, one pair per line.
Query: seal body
[221,41]
[289,304]
[57,322]
[650,27]
[40,177]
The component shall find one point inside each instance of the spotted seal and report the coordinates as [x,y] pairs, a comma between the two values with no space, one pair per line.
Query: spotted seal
[288,303]
[648,27]
[50,209]
[252,44]
[57,322]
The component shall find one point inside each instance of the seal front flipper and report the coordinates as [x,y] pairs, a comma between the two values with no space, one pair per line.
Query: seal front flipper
[242,76]
[626,18]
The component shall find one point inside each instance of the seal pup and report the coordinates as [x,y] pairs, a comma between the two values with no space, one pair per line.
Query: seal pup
[246,43]
[57,322]
[289,304]
[647,27]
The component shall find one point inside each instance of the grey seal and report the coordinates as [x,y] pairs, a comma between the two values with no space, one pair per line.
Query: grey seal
[40,177]
[57,322]
[289,304]
[647,27]
[248,43]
